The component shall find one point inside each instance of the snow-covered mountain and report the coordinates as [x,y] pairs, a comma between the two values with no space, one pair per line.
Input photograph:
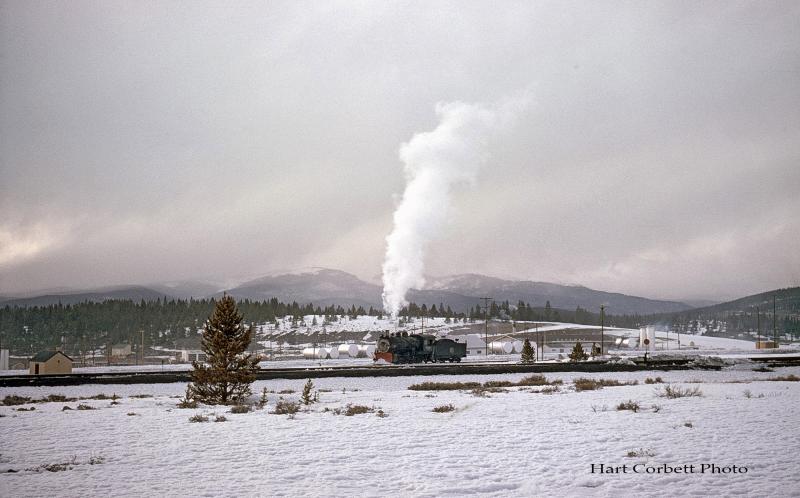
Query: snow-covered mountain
[324,286]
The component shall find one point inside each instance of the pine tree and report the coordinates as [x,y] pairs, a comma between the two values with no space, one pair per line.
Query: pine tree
[227,376]
[578,354]
[307,398]
[528,356]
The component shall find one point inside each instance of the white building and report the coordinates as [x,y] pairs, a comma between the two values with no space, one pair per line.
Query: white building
[189,355]
[475,344]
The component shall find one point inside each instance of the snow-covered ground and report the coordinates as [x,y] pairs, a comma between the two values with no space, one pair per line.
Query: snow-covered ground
[514,443]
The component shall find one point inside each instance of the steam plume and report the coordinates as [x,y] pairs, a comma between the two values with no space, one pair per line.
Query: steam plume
[434,163]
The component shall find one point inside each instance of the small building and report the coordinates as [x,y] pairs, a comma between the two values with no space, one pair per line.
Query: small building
[190,355]
[50,362]
[475,343]
[120,350]
[766,345]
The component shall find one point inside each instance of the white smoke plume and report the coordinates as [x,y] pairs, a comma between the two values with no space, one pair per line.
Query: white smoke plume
[434,163]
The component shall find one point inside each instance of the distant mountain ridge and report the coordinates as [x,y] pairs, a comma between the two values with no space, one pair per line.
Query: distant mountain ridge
[323,287]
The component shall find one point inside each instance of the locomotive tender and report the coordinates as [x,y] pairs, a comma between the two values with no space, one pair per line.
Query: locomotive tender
[403,347]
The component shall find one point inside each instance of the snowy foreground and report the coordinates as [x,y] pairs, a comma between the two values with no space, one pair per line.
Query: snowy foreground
[514,443]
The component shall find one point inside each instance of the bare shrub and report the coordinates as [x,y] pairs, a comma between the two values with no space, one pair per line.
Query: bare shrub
[444,408]
[240,409]
[283,407]
[498,383]
[96,460]
[657,380]
[12,400]
[198,418]
[678,392]
[785,378]
[86,407]
[141,396]
[538,380]
[57,398]
[131,414]
[188,400]
[444,386]
[629,405]
[688,424]
[287,391]
[23,409]
[220,418]
[656,408]
[598,408]
[100,396]
[381,414]
[641,453]
[549,389]
[351,410]
[262,402]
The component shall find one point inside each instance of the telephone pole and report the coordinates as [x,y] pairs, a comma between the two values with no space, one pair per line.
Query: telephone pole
[758,325]
[774,324]
[602,327]
[486,323]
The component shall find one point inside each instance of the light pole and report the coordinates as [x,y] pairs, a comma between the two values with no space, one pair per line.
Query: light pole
[486,324]
[602,328]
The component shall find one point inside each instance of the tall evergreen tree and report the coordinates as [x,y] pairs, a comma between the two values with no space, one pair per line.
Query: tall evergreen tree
[578,354]
[229,371]
[527,356]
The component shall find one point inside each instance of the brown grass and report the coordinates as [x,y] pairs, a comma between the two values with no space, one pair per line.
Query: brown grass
[444,408]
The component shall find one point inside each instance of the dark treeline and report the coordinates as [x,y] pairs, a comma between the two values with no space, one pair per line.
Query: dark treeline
[92,326]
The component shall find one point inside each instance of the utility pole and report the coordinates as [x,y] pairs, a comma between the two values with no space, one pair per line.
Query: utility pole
[142,347]
[774,324]
[602,326]
[758,325]
[486,323]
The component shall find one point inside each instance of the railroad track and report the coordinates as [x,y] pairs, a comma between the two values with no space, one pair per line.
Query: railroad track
[156,377]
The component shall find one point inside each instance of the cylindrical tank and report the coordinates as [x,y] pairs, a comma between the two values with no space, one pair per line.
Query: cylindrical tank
[332,353]
[366,350]
[499,347]
[350,350]
[517,346]
[314,353]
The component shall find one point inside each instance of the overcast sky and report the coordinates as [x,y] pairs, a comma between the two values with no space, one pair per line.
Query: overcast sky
[155,141]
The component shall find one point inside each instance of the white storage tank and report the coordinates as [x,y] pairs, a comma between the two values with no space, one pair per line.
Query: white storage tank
[499,347]
[518,346]
[366,351]
[332,353]
[350,350]
[314,353]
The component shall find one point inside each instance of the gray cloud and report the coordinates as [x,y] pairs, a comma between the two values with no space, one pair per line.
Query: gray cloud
[148,141]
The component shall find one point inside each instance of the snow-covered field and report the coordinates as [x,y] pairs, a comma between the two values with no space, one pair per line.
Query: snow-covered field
[514,443]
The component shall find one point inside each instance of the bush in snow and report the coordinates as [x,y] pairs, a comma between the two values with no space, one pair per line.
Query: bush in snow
[628,405]
[198,418]
[444,408]
[650,380]
[678,392]
[240,409]
[283,407]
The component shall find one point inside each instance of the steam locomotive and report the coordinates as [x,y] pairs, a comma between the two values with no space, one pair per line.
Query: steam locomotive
[403,347]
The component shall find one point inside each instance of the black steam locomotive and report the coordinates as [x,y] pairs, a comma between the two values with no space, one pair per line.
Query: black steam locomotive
[403,347]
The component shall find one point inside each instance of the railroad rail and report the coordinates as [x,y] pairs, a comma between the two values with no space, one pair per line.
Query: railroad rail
[159,377]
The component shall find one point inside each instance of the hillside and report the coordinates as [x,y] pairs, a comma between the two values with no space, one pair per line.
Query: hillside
[325,287]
